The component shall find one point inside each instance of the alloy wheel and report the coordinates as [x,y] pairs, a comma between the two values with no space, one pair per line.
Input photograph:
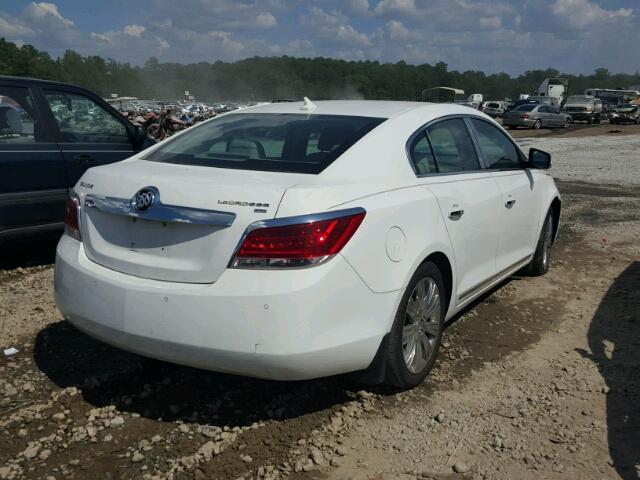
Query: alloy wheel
[421,325]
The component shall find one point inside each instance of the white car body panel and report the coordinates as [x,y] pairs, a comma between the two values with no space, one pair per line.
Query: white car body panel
[172,295]
[517,225]
[474,236]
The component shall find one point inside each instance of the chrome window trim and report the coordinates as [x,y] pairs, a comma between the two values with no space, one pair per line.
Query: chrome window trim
[423,129]
[467,294]
[463,116]
[159,211]
[474,133]
[285,221]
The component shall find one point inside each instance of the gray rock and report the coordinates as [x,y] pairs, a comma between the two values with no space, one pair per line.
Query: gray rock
[44,454]
[117,421]
[460,467]
[30,452]
[58,417]
[317,456]
[137,457]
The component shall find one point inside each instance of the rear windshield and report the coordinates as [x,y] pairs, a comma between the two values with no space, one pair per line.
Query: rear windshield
[288,142]
[526,108]
[493,105]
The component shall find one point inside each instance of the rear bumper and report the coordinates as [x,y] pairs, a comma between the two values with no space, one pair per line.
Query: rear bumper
[283,325]
[518,122]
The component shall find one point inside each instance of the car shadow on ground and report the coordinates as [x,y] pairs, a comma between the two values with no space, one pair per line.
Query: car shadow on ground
[29,251]
[159,390]
[614,341]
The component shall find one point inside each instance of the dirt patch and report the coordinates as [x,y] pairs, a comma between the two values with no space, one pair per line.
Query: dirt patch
[73,407]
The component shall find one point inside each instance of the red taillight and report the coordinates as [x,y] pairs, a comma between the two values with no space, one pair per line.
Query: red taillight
[524,115]
[299,244]
[71,217]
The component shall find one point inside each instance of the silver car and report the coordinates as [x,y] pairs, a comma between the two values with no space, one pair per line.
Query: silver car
[536,116]
[495,109]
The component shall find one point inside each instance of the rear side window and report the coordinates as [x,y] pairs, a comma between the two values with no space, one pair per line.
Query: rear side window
[422,156]
[18,124]
[497,150]
[452,146]
[288,142]
[81,120]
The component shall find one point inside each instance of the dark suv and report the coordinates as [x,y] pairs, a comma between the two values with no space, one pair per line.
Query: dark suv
[50,133]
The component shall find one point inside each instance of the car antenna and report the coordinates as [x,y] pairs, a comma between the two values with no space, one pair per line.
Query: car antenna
[308,104]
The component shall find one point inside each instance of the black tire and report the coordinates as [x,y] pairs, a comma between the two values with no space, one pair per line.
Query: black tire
[537,124]
[567,123]
[397,371]
[540,263]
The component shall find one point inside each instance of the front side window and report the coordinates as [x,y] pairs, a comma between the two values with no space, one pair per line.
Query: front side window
[422,156]
[452,146]
[497,150]
[81,120]
[287,142]
[18,124]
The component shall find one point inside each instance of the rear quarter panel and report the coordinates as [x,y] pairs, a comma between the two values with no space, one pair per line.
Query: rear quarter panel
[414,212]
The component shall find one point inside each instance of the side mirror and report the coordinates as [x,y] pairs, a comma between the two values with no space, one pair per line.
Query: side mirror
[539,159]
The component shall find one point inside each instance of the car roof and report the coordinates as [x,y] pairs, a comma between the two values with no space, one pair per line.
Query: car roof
[360,108]
[36,80]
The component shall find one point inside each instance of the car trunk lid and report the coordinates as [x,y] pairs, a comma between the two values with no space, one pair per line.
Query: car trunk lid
[192,225]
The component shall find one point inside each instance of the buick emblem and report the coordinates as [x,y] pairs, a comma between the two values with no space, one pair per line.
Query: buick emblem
[143,199]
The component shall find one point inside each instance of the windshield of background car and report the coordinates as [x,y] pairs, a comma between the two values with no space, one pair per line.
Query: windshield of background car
[296,143]
[525,108]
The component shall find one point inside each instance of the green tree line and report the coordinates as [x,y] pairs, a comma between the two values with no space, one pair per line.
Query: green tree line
[270,78]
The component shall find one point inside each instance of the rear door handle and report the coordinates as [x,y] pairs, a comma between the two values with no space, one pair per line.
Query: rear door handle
[510,203]
[456,214]
[83,158]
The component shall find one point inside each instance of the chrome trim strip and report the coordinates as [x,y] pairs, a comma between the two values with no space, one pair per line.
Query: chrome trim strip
[159,211]
[463,116]
[480,286]
[295,220]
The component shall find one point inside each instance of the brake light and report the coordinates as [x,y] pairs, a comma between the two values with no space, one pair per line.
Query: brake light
[524,115]
[72,217]
[297,244]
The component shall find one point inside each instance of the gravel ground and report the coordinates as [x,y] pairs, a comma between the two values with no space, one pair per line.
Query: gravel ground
[599,159]
[538,380]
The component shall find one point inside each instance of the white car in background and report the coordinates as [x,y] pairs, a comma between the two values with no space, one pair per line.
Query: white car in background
[299,240]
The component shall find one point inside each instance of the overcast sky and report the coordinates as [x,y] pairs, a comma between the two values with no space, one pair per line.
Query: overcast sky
[574,36]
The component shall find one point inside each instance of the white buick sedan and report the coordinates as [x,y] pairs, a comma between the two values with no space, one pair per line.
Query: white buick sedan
[299,240]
